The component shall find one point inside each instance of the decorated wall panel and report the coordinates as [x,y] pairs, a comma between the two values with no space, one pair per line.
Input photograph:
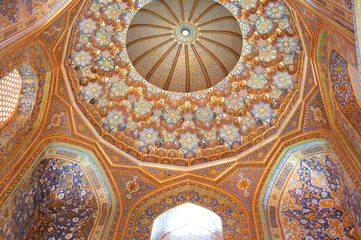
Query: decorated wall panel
[305,196]
[62,196]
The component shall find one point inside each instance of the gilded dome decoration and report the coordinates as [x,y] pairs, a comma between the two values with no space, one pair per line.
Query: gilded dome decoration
[184,46]
[185,82]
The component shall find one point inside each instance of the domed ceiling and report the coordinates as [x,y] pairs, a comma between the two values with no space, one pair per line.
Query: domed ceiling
[184,46]
[136,70]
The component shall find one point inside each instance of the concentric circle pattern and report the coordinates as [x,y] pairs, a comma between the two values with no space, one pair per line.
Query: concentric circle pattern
[184,46]
[184,129]
[185,32]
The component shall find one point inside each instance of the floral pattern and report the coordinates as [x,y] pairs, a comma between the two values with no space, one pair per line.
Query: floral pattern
[288,44]
[229,133]
[142,106]
[276,9]
[264,25]
[204,114]
[233,101]
[114,118]
[113,12]
[149,136]
[189,141]
[103,37]
[87,26]
[262,111]
[172,115]
[82,58]
[267,53]
[93,90]
[305,191]
[256,81]
[283,80]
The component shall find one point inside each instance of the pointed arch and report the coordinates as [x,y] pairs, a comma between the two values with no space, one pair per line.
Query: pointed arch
[187,221]
[236,223]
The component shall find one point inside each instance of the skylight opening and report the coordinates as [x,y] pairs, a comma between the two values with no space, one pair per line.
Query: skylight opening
[187,221]
[10,87]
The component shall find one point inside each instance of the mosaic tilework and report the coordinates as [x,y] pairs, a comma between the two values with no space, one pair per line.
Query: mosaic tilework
[310,82]
[186,128]
[80,127]
[63,199]
[293,122]
[18,215]
[133,186]
[115,157]
[311,19]
[304,196]
[212,171]
[17,16]
[351,199]
[68,207]
[162,173]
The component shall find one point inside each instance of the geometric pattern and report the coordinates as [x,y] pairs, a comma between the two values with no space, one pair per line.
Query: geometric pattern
[152,123]
[184,47]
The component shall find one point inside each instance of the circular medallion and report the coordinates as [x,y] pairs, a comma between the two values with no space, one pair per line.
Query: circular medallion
[185,32]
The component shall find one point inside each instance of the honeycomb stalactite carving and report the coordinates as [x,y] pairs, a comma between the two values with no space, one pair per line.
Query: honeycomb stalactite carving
[156,125]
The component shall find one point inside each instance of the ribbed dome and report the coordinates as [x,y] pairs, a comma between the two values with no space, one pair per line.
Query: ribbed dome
[184,45]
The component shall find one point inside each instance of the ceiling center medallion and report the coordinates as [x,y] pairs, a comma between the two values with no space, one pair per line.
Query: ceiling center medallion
[185,32]
[184,46]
